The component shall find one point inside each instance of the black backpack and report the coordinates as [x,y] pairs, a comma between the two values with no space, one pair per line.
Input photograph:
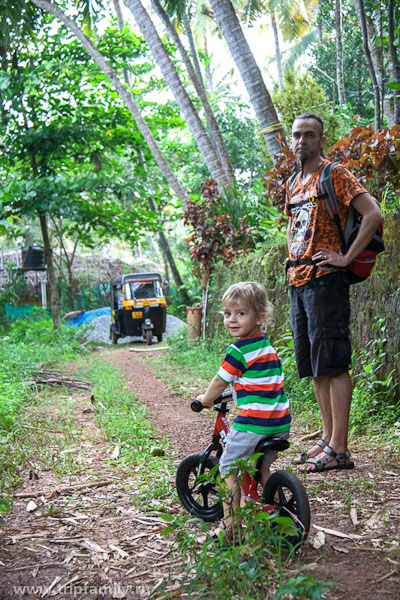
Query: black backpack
[364,262]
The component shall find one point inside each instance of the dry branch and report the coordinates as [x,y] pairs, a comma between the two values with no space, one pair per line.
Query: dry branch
[67,490]
[57,378]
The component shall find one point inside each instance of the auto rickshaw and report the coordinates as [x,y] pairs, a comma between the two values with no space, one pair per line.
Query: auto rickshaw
[138,306]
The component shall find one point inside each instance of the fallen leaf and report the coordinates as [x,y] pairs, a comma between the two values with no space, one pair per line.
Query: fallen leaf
[115,452]
[93,546]
[31,506]
[319,540]
[121,552]
[339,549]
[373,523]
[337,533]
[353,516]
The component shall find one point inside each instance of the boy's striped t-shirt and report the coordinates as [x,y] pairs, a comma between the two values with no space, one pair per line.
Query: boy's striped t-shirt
[254,368]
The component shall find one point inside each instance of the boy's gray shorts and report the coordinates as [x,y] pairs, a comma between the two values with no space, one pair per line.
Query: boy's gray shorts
[242,445]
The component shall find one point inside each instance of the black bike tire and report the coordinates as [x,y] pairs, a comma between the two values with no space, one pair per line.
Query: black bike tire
[188,467]
[149,336]
[298,503]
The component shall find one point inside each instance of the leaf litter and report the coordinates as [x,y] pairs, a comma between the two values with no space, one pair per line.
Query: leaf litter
[86,535]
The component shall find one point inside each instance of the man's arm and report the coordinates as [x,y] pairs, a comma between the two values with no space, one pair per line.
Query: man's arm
[372,219]
[214,390]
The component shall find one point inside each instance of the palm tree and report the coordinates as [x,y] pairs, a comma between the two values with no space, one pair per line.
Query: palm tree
[260,98]
[394,60]
[163,241]
[195,75]
[339,51]
[185,104]
[360,10]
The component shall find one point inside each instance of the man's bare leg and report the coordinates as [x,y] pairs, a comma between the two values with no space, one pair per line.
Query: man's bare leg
[335,414]
[322,389]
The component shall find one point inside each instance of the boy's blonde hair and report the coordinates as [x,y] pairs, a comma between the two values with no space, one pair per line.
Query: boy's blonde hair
[253,294]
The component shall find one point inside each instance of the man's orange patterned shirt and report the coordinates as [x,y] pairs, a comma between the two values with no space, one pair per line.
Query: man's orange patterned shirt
[312,226]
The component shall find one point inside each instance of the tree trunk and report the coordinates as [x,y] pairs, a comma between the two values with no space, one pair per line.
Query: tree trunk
[209,79]
[339,51]
[48,254]
[126,96]
[260,98]
[278,55]
[181,96]
[195,76]
[395,66]
[120,19]
[359,6]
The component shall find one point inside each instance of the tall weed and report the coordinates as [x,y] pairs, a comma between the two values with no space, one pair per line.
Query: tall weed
[374,399]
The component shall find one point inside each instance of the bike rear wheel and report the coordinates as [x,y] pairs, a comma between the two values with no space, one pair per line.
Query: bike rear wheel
[287,494]
[200,498]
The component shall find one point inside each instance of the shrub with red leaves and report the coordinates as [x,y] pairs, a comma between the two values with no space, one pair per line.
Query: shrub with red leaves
[214,234]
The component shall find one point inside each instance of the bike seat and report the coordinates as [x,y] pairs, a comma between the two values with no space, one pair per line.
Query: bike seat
[272,443]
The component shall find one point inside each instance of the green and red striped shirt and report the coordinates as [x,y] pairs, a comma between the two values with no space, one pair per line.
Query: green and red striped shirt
[254,368]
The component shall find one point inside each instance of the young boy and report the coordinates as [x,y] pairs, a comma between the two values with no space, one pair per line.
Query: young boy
[253,366]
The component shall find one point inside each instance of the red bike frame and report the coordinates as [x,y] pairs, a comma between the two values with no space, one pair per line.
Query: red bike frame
[249,484]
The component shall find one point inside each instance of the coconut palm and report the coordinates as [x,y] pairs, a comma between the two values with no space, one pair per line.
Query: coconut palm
[185,104]
[260,98]
[195,75]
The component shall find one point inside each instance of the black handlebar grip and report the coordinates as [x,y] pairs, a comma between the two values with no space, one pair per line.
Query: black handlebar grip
[196,405]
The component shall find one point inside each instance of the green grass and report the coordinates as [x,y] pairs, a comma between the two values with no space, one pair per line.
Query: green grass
[28,344]
[29,416]
[124,419]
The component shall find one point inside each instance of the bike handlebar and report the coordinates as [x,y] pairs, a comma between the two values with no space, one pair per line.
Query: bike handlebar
[197,406]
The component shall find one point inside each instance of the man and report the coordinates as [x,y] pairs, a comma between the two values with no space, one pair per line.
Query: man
[319,287]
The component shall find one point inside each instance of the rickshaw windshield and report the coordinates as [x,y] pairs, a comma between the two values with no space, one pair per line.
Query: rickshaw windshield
[142,290]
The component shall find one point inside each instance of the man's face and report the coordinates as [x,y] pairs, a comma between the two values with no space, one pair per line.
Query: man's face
[307,140]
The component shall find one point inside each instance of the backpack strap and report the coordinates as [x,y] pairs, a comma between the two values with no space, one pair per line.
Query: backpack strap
[328,194]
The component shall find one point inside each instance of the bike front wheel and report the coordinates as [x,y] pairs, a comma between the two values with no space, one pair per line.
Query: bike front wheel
[287,494]
[200,498]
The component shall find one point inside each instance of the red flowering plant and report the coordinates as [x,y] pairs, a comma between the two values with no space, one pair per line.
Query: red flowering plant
[373,157]
[214,233]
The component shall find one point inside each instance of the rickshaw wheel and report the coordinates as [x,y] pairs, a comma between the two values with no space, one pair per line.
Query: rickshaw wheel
[149,337]
[159,337]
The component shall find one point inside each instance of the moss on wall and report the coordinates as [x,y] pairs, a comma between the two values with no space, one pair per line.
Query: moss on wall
[377,297]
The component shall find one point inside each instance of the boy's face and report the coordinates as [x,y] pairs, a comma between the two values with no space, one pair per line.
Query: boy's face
[241,321]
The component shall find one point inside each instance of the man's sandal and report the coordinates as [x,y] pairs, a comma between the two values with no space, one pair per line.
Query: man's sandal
[304,455]
[320,463]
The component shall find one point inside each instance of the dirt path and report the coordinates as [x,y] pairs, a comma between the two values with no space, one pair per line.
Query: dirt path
[90,540]
[355,513]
